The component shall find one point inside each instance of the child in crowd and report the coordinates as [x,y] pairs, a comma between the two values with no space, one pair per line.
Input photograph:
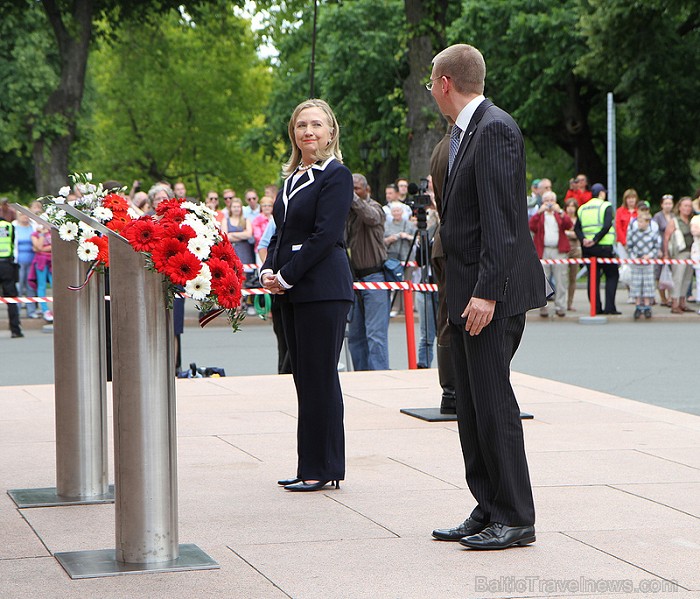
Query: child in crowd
[644,242]
[695,253]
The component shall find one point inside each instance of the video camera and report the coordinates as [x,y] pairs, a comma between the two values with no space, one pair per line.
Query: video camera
[418,198]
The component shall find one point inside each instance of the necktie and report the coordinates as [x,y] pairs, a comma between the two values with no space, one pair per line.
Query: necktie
[454,146]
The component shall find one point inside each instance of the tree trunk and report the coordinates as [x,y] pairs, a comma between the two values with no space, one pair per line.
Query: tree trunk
[51,150]
[425,125]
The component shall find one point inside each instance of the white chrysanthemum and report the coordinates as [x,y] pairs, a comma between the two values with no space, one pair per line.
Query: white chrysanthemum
[199,227]
[87,251]
[132,213]
[81,188]
[102,214]
[209,212]
[60,214]
[60,200]
[68,231]
[198,288]
[200,247]
[64,191]
[187,205]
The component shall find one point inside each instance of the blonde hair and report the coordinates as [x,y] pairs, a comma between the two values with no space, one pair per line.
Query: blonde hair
[333,148]
[241,219]
[465,65]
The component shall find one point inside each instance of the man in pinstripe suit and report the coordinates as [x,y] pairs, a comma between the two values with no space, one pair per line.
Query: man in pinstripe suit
[493,278]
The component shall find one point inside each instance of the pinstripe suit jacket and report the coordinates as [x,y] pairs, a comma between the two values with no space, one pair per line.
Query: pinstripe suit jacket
[484,228]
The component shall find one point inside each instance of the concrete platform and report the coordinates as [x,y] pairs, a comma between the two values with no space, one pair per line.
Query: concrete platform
[616,483]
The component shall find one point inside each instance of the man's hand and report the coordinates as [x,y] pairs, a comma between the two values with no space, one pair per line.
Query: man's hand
[270,282]
[587,243]
[479,313]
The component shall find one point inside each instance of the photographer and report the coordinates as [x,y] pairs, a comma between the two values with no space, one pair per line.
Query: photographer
[549,227]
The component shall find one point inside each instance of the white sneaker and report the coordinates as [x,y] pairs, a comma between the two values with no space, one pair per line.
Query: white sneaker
[48,316]
[250,311]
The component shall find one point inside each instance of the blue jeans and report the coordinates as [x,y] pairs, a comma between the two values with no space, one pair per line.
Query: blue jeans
[43,277]
[368,331]
[23,286]
[426,318]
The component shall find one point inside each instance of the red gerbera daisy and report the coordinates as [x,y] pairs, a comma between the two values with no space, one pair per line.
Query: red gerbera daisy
[118,221]
[182,267]
[223,250]
[103,248]
[174,215]
[166,249]
[218,269]
[182,233]
[143,234]
[165,205]
[228,292]
[115,202]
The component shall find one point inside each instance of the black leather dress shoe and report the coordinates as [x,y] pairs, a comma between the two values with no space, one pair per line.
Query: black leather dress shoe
[288,481]
[317,486]
[467,528]
[500,536]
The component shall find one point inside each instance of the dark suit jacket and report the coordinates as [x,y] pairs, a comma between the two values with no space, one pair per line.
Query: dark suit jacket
[438,171]
[308,247]
[484,230]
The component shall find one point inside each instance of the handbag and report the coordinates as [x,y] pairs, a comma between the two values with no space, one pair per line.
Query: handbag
[626,274]
[393,270]
[665,278]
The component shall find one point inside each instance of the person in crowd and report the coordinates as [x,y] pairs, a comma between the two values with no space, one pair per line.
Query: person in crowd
[571,209]
[493,278]
[159,192]
[261,221]
[212,202]
[8,270]
[251,210]
[695,253]
[398,238]
[446,373]
[580,193]
[180,192]
[595,230]
[271,190]
[41,265]
[141,204]
[368,328]
[240,233]
[662,218]
[534,201]
[643,241]
[624,215]
[677,243]
[24,256]
[284,365]
[228,195]
[549,227]
[402,187]
[7,213]
[696,202]
[36,207]
[307,264]
[391,195]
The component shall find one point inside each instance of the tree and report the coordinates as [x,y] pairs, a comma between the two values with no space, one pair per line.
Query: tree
[74,29]
[177,99]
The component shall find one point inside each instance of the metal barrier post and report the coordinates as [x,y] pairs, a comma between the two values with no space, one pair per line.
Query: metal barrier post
[80,388]
[145,452]
[593,295]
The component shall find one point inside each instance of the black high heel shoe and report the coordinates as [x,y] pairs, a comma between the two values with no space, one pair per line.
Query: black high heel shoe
[304,486]
[288,481]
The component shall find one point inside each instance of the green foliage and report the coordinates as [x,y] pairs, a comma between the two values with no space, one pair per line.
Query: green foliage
[177,99]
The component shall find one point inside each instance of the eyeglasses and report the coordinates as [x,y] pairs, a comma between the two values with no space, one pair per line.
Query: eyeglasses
[213,198]
[228,197]
[668,196]
[254,198]
[429,84]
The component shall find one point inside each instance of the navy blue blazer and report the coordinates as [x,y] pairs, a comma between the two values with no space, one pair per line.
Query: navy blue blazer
[484,227]
[308,248]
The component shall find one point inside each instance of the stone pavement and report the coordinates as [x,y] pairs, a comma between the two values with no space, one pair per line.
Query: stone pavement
[616,483]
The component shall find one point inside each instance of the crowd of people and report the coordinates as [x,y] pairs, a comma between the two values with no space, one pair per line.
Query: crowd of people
[587,225]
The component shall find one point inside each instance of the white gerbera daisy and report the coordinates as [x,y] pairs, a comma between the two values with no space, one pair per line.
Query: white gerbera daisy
[198,288]
[87,251]
[205,272]
[102,214]
[200,247]
[86,230]
[68,231]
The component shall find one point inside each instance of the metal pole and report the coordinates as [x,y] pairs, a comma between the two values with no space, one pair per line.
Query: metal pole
[79,375]
[145,470]
[612,152]
[80,388]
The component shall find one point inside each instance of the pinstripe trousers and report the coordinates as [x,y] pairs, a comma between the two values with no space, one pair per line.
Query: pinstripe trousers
[488,415]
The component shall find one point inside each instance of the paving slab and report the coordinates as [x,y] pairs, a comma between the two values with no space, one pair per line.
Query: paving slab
[616,485]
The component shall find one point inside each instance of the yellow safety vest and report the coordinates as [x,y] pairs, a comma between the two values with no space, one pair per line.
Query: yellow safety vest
[6,249]
[591,216]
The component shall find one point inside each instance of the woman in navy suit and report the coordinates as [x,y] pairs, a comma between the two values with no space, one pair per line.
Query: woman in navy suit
[307,266]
